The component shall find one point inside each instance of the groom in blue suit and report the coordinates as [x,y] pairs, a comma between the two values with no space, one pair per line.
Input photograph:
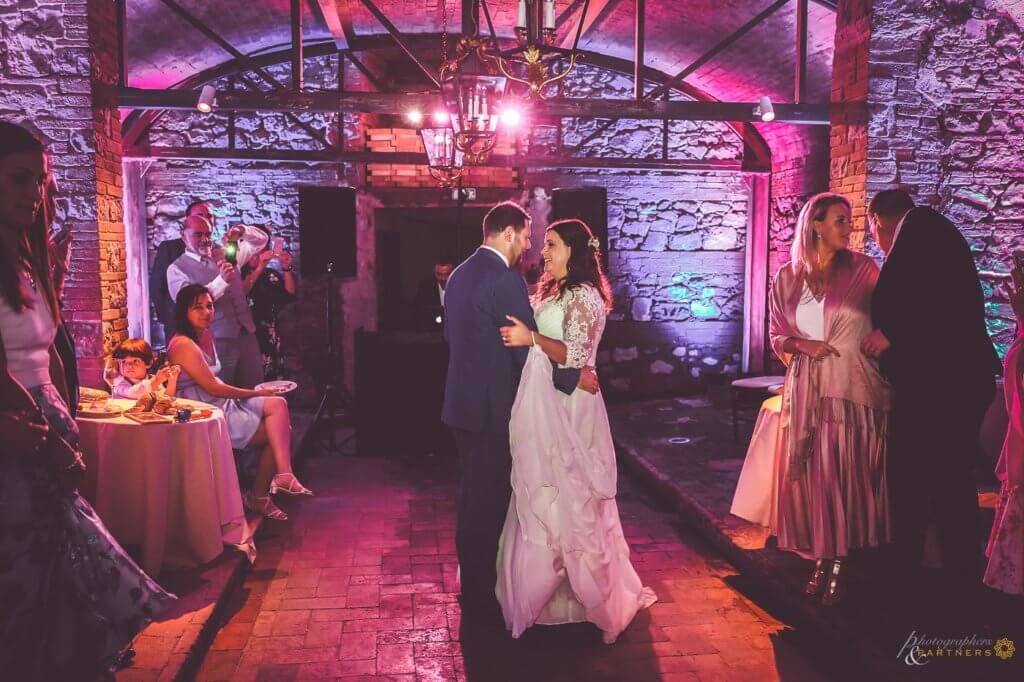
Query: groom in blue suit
[483,377]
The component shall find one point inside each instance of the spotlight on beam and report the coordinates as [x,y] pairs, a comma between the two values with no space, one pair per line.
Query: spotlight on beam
[207,99]
[765,110]
[440,117]
[511,117]
[414,117]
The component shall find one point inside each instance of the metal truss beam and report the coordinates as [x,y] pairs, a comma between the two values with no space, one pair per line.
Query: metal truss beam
[397,103]
[504,161]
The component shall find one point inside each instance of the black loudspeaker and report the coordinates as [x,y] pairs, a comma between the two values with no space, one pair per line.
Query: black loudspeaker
[327,230]
[589,204]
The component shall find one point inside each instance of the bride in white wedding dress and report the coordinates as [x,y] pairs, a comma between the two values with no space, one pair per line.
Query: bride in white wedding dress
[562,557]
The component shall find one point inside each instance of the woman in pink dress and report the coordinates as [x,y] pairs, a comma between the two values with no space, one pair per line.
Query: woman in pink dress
[831,475]
[1005,551]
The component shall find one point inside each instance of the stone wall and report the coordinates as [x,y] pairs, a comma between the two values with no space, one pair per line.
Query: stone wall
[676,268]
[677,239]
[57,62]
[945,101]
[266,193]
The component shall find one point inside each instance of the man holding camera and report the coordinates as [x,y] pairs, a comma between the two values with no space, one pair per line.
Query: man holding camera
[217,269]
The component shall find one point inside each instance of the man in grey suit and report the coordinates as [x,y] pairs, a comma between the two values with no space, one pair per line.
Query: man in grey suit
[233,327]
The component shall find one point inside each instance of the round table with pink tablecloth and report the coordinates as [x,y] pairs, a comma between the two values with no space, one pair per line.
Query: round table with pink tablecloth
[170,488]
[755,498]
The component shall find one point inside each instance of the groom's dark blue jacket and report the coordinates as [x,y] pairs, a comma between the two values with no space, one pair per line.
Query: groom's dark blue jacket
[483,375]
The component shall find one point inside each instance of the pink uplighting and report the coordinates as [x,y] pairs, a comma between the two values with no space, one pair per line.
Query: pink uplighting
[440,117]
[415,117]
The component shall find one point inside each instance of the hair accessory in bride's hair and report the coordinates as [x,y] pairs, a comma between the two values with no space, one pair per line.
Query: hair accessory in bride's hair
[594,243]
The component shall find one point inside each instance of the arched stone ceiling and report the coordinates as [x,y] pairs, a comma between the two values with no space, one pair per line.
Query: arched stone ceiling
[163,49]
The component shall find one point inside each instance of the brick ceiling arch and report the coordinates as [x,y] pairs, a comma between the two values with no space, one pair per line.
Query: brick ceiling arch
[163,49]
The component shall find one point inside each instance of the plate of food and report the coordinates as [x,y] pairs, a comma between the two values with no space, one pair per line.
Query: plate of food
[92,395]
[279,386]
[98,410]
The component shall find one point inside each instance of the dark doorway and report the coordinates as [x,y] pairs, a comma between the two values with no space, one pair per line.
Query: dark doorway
[409,242]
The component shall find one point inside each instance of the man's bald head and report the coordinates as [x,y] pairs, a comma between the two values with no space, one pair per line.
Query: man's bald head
[197,234]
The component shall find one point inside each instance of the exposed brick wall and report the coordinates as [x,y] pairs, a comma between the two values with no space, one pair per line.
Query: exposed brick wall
[849,131]
[408,175]
[56,59]
[799,170]
[946,91]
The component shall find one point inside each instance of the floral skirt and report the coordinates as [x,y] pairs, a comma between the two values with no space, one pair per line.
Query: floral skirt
[72,598]
[839,501]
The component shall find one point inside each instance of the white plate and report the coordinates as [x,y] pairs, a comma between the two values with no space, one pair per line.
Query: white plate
[280,386]
[107,412]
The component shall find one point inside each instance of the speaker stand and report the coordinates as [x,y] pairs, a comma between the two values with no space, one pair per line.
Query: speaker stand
[334,396]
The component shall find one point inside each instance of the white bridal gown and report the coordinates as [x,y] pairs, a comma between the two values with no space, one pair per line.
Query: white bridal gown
[562,556]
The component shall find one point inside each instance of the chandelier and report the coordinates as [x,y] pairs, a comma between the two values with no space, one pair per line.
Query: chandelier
[472,90]
[445,161]
[533,62]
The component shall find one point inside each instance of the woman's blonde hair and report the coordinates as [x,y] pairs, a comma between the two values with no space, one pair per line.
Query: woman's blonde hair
[804,254]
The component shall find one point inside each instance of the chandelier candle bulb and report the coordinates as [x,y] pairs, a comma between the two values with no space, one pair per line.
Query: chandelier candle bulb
[549,14]
[521,14]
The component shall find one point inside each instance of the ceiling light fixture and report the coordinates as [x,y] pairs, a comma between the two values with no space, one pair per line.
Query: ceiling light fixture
[445,160]
[532,62]
[207,99]
[765,110]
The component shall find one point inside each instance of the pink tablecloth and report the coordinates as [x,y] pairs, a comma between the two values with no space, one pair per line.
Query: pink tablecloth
[755,498]
[170,488]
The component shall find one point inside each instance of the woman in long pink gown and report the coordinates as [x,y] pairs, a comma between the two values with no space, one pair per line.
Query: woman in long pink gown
[831,476]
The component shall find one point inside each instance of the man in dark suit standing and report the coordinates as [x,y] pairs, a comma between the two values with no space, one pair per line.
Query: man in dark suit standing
[167,252]
[428,307]
[933,346]
[483,377]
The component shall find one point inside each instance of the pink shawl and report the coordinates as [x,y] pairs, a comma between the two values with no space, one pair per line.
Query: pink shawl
[852,376]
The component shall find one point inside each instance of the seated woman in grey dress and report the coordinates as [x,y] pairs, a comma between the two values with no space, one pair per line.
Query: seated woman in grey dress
[254,418]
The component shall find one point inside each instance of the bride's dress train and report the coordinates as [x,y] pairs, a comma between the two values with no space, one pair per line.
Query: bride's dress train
[562,556]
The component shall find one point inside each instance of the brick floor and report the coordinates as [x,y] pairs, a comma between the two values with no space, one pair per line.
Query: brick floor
[360,584]
[698,478]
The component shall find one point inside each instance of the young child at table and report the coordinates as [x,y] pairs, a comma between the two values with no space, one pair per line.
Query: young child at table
[134,359]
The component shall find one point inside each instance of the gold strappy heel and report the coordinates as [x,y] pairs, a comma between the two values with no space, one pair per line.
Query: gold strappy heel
[289,485]
[263,506]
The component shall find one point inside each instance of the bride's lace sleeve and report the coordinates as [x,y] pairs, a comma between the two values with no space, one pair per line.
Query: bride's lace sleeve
[582,323]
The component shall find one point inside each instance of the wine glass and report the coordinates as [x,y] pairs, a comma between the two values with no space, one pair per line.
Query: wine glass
[111,371]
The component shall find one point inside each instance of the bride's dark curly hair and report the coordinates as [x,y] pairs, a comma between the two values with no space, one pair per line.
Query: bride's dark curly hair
[584,266]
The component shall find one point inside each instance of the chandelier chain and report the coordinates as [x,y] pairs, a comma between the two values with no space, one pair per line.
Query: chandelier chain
[444,31]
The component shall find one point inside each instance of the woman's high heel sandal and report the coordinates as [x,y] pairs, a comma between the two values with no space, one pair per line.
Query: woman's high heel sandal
[836,590]
[816,583]
[289,485]
[263,506]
